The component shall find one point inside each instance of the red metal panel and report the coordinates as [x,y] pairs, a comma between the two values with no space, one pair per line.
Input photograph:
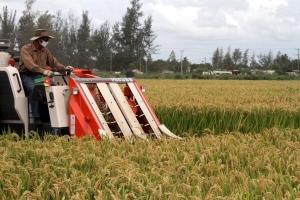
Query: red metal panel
[85,122]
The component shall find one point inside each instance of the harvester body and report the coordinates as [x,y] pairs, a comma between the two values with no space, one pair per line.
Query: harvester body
[80,104]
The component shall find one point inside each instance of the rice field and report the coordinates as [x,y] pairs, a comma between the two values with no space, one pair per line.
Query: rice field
[226,94]
[241,142]
[216,106]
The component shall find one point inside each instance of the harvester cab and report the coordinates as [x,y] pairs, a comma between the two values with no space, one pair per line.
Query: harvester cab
[78,105]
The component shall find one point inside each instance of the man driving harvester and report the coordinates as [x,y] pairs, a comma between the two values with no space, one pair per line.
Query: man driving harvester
[35,61]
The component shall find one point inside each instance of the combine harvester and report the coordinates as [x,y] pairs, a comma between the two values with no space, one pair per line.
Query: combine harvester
[79,104]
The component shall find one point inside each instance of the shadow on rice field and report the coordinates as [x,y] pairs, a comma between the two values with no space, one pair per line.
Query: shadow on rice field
[197,121]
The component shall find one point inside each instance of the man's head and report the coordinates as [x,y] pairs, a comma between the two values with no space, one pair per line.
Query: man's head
[41,33]
[42,36]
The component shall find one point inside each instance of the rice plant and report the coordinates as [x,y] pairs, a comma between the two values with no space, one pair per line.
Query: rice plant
[192,106]
[242,141]
[232,166]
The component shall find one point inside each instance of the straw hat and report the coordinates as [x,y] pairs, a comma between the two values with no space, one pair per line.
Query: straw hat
[41,33]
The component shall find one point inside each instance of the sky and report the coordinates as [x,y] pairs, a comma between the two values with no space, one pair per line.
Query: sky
[196,28]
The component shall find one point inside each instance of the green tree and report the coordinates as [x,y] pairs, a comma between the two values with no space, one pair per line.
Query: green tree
[44,20]
[185,65]
[132,41]
[26,25]
[84,41]
[227,60]
[282,63]
[157,65]
[55,29]
[172,56]
[128,35]
[217,59]
[253,62]
[265,60]
[245,58]
[102,46]
[69,40]
[148,39]
[172,62]
[8,28]
[148,62]
[236,56]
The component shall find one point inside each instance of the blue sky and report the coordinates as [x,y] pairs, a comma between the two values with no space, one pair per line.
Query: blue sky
[198,27]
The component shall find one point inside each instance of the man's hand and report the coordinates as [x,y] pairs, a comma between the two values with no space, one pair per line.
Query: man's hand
[48,73]
[69,68]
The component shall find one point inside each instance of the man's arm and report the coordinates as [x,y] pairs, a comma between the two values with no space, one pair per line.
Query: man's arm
[53,62]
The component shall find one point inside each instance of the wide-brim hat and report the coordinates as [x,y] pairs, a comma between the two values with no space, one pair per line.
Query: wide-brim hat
[41,33]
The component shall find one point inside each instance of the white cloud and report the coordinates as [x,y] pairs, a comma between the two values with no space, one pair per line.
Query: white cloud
[197,26]
[266,5]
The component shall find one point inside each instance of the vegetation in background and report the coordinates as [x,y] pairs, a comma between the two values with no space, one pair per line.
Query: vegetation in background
[197,76]
[124,45]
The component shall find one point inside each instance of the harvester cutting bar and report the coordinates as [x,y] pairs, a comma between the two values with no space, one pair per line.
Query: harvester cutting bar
[114,108]
[149,113]
[131,112]
[126,110]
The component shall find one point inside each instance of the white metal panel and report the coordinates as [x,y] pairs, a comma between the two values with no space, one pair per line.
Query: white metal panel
[114,108]
[145,110]
[57,109]
[166,131]
[97,111]
[127,111]
[21,101]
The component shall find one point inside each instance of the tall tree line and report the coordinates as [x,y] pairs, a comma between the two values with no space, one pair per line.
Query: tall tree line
[237,59]
[122,46]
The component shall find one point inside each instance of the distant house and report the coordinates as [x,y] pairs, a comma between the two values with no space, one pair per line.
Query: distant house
[236,72]
[137,71]
[268,72]
[219,72]
[206,73]
[293,73]
[167,72]
[216,72]
[188,69]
